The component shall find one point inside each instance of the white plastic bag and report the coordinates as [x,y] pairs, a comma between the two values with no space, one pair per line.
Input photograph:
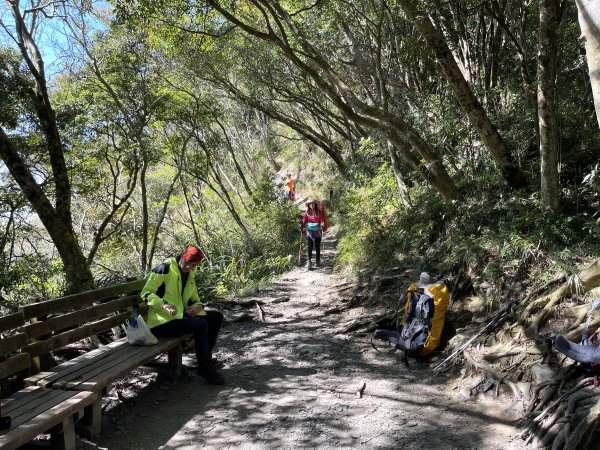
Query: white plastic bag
[138,332]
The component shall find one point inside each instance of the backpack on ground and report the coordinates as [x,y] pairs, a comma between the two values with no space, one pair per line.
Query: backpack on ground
[419,331]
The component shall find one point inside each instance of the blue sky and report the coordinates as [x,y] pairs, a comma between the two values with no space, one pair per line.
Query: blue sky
[51,37]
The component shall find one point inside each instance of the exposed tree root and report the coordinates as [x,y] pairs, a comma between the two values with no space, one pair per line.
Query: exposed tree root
[583,432]
[492,372]
[586,280]
[568,422]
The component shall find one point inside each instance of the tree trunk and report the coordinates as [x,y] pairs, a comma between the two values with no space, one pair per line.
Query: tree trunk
[434,172]
[145,217]
[236,164]
[547,108]
[519,41]
[56,219]
[162,214]
[589,18]
[478,118]
[301,128]
[402,188]
[223,193]
[188,208]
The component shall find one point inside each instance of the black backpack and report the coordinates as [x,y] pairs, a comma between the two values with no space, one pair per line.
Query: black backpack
[417,326]
[410,336]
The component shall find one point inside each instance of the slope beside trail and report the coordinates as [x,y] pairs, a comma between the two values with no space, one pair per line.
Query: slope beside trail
[292,382]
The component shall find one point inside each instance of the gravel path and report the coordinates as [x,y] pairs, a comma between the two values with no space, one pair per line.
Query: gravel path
[292,382]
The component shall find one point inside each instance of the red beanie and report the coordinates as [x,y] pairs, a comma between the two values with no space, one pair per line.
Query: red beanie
[193,254]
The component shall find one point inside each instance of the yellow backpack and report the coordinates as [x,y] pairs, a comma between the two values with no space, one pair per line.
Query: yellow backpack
[419,331]
[424,317]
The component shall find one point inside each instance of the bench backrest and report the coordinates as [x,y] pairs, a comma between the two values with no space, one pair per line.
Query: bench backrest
[54,323]
[40,328]
[12,341]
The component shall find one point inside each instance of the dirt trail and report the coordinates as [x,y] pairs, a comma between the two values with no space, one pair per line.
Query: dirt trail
[293,383]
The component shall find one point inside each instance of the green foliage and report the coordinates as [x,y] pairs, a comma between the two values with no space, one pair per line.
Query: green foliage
[242,265]
[225,276]
[190,95]
[367,214]
[496,238]
[11,93]
[28,277]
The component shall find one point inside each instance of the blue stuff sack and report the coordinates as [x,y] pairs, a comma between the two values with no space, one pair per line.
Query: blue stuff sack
[312,226]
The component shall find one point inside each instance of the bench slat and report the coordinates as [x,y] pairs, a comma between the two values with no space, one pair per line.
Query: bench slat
[14,365]
[12,343]
[84,298]
[100,367]
[32,402]
[68,367]
[60,340]
[38,410]
[11,321]
[59,323]
[119,363]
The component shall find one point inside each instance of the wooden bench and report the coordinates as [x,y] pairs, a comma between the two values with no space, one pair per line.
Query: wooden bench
[34,410]
[54,324]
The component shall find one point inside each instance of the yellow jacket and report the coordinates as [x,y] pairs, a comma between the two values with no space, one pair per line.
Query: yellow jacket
[164,285]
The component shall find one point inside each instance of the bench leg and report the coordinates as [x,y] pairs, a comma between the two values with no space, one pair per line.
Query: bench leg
[106,389]
[175,359]
[92,417]
[63,435]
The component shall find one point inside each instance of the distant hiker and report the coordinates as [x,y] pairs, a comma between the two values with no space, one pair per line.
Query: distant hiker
[315,223]
[291,192]
[175,308]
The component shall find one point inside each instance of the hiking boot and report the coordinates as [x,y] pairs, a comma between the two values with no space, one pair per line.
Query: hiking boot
[309,264]
[318,263]
[211,375]
[214,362]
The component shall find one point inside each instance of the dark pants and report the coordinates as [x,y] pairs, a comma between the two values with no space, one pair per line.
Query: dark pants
[316,243]
[204,328]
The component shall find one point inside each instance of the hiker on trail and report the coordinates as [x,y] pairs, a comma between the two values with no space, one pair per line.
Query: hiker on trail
[175,308]
[315,222]
[291,194]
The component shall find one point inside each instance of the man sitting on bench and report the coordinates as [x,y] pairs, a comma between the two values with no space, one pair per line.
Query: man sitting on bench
[175,308]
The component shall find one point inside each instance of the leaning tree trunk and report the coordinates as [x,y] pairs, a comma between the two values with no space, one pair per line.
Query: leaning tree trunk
[589,18]
[56,219]
[361,113]
[475,112]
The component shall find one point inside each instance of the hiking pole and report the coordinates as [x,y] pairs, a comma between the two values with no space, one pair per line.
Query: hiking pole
[300,247]
[490,326]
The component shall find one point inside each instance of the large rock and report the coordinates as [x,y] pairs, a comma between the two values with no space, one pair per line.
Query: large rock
[541,373]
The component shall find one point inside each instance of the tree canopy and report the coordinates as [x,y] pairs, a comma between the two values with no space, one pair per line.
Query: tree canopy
[468,128]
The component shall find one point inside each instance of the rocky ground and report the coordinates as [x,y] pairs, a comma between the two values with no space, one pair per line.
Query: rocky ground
[295,381]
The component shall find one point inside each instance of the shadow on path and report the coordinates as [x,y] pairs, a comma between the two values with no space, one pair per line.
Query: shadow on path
[292,382]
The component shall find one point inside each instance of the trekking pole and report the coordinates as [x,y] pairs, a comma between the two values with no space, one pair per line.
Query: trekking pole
[490,326]
[300,247]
